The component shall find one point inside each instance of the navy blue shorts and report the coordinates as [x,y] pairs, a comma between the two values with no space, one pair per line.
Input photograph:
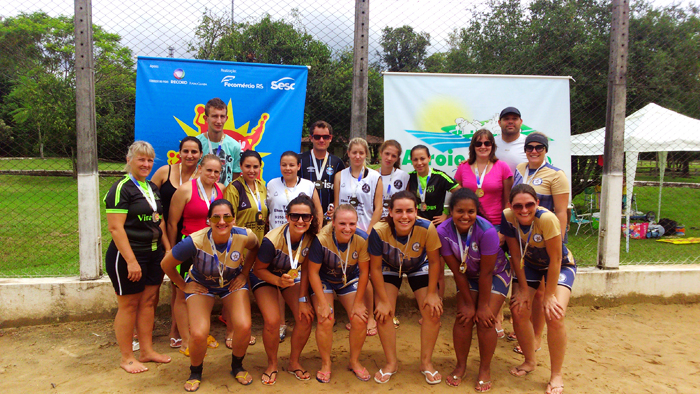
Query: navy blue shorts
[534,275]
[213,291]
[418,278]
[257,283]
[340,289]
[499,284]
[116,267]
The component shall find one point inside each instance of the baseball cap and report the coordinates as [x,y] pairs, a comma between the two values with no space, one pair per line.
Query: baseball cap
[509,110]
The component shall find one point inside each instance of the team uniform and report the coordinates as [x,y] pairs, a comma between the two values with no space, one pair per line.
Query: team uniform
[392,184]
[362,192]
[434,187]
[142,227]
[512,153]
[404,254]
[279,195]
[329,254]
[333,166]
[482,239]
[205,270]
[544,227]
[250,209]
[228,151]
[491,185]
[274,252]
[547,180]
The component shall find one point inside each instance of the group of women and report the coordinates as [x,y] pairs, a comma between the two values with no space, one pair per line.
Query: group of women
[269,239]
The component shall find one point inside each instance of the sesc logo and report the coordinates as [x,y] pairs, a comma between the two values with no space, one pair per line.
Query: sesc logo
[286,83]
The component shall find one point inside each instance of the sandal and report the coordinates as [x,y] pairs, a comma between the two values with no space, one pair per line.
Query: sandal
[242,374]
[551,388]
[323,377]
[454,380]
[432,375]
[252,341]
[269,381]
[194,385]
[396,322]
[303,374]
[175,342]
[229,343]
[383,374]
[511,337]
[211,342]
[516,371]
[500,333]
[482,387]
[361,374]
[372,331]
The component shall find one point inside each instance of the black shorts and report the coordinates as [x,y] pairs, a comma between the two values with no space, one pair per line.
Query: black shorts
[418,277]
[151,273]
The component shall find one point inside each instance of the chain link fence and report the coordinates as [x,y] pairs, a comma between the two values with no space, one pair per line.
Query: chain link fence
[38,192]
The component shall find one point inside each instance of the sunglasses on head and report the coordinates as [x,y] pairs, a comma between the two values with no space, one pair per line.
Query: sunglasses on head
[484,143]
[306,217]
[217,218]
[530,148]
[319,137]
[519,207]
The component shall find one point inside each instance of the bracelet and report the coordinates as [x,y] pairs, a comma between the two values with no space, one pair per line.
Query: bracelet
[303,299]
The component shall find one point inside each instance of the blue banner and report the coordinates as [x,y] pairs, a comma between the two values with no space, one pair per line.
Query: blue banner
[265,105]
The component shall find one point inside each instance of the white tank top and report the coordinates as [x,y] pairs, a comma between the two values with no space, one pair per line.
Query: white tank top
[279,195]
[365,194]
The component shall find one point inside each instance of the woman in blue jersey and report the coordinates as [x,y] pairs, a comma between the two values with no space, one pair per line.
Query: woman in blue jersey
[533,235]
[470,246]
[340,265]
[222,256]
[401,244]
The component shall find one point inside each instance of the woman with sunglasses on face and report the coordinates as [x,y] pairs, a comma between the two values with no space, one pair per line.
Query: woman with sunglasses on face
[168,178]
[340,265]
[394,179]
[552,188]
[281,266]
[138,243]
[471,248]
[404,243]
[538,254]
[222,256]
[191,203]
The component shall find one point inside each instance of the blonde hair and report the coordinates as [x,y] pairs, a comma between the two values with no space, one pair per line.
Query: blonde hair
[344,207]
[138,148]
[210,157]
[363,143]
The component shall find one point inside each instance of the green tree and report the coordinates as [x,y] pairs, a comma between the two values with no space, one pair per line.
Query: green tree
[404,49]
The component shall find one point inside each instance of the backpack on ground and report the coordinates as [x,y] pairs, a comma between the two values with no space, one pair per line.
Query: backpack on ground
[669,226]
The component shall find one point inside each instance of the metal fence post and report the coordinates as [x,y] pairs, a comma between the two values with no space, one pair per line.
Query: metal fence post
[360,72]
[611,209]
[86,129]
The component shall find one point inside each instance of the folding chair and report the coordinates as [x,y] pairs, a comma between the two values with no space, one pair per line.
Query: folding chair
[581,219]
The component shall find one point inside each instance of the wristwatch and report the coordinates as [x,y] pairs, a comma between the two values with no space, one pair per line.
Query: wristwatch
[303,299]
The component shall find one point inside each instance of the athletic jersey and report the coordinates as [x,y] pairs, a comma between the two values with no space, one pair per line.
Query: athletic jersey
[545,226]
[198,248]
[195,212]
[230,155]
[492,185]
[167,189]
[392,184]
[483,241]
[143,233]
[307,171]
[549,181]
[273,250]
[364,190]
[438,184]
[279,195]
[413,252]
[325,253]
[513,153]
[244,206]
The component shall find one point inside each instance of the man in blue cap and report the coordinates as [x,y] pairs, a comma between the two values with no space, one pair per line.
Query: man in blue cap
[510,145]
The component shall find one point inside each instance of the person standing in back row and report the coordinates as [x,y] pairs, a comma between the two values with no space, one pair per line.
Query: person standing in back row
[216,142]
[319,166]
[510,145]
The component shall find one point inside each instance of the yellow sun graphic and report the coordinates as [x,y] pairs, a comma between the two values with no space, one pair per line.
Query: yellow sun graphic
[439,112]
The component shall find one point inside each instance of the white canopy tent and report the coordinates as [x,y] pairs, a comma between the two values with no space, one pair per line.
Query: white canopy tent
[651,129]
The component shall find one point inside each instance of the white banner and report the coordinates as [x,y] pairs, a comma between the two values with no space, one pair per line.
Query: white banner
[442,111]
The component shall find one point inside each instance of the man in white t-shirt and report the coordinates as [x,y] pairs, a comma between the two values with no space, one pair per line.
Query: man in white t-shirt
[510,145]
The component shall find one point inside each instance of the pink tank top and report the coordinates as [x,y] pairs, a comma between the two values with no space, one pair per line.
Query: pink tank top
[194,215]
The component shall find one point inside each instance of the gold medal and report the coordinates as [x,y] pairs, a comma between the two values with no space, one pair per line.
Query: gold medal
[294,273]
[423,206]
[221,282]
[479,192]
[463,267]
[345,280]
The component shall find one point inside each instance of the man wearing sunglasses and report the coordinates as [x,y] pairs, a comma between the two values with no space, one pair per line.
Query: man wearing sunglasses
[510,143]
[318,165]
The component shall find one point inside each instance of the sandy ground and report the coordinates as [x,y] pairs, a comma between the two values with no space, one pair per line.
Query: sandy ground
[640,348]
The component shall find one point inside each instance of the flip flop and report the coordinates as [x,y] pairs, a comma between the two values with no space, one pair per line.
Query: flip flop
[500,333]
[551,387]
[517,371]
[511,337]
[455,382]
[323,377]
[519,350]
[432,375]
[348,326]
[383,374]
[221,319]
[361,374]
[479,388]
[270,381]
[211,342]
[294,372]
[252,341]
[229,343]
[396,322]
[192,382]
[372,331]
[175,342]
[185,351]
[242,375]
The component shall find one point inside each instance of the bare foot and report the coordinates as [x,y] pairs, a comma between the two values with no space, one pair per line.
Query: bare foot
[154,357]
[133,366]
[521,370]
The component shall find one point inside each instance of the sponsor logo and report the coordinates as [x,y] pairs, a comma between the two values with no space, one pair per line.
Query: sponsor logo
[228,78]
[228,82]
[286,83]
[179,74]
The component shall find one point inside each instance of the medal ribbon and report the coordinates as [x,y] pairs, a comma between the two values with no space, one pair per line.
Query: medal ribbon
[480,179]
[319,173]
[218,150]
[343,267]
[464,253]
[191,176]
[256,195]
[520,241]
[149,195]
[359,178]
[420,188]
[293,261]
[204,193]
[391,181]
[403,252]
[286,189]
[527,171]
[220,265]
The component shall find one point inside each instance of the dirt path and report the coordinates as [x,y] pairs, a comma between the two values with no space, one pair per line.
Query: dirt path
[639,348]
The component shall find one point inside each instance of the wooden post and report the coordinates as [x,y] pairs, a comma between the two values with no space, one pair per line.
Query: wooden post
[613,169]
[360,65]
[86,129]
